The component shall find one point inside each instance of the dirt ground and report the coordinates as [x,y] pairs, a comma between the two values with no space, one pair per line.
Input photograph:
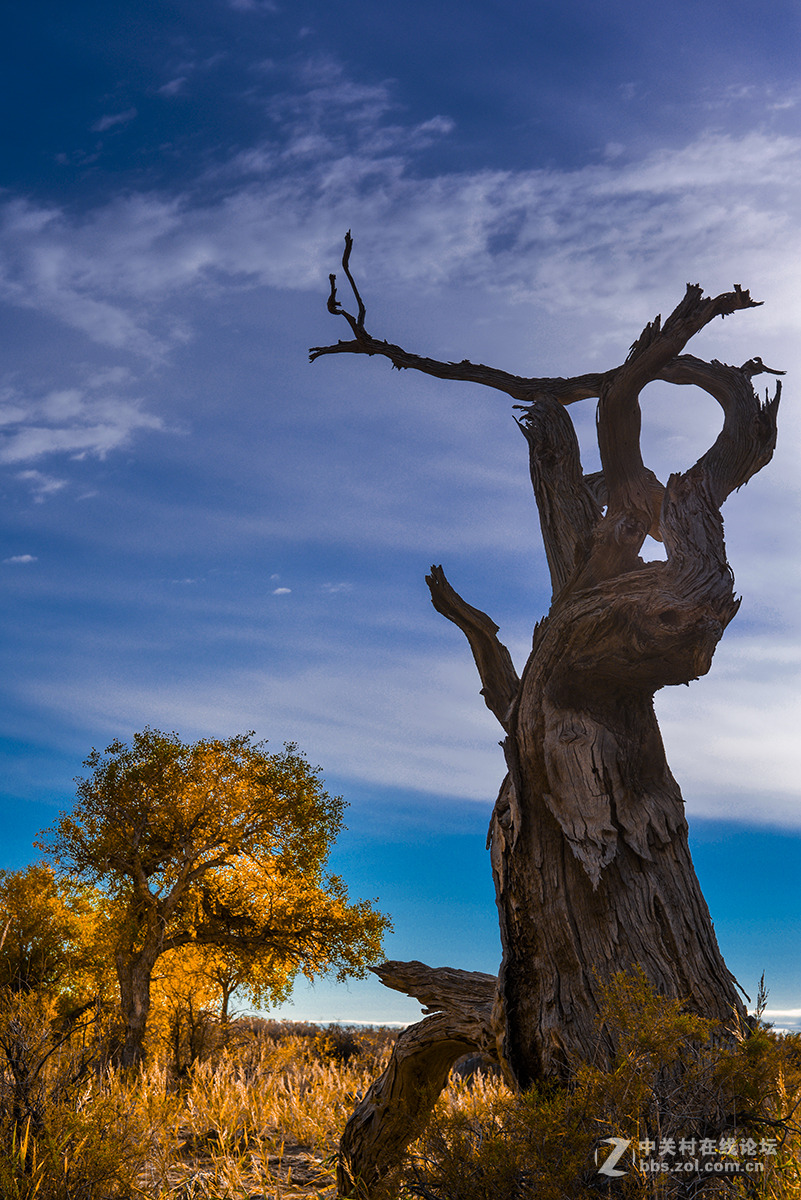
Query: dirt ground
[293,1174]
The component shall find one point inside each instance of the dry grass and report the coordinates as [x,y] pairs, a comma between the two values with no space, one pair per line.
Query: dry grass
[261,1117]
[263,1120]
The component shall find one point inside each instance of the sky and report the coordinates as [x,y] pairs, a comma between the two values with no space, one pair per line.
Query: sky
[203,532]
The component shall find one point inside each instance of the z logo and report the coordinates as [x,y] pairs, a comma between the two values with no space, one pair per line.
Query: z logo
[619,1147]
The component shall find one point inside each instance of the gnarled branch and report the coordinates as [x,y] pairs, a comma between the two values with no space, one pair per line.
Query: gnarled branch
[567,504]
[566,391]
[499,679]
[397,1106]
[634,492]
[441,989]
[748,437]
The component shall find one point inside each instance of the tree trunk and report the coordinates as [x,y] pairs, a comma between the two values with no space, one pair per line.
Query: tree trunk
[134,973]
[588,837]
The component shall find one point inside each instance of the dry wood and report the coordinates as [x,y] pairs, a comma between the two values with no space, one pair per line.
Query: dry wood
[396,1108]
[588,837]
[500,683]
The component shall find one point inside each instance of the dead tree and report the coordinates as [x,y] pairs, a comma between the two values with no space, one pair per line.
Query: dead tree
[588,837]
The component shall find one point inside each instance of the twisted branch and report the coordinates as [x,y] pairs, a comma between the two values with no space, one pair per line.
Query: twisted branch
[566,391]
[499,679]
[398,1105]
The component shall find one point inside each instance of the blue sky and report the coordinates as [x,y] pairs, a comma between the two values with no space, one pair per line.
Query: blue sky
[203,532]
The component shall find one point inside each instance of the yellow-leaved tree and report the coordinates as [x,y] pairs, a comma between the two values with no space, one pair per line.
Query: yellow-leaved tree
[216,844]
[51,937]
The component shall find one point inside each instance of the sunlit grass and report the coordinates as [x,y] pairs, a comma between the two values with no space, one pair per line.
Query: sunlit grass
[261,1117]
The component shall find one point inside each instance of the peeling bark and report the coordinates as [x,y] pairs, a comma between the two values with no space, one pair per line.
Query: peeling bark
[396,1108]
[588,837]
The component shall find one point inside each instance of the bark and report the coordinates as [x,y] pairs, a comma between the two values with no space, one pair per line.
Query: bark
[588,837]
[396,1108]
[134,973]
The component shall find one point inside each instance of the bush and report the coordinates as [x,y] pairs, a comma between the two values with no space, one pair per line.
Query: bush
[675,1081]
[63,1135]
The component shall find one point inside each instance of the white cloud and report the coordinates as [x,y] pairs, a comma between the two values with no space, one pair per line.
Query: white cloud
[71,422]
[21,558]
[415,720]
[732,737]
[609,240]
[254,6]
[604,247]
[616,239]
[112,119]
[409,721]
[40,484]
[173,86]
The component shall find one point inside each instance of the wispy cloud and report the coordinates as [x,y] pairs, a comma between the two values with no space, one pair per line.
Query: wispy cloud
[609,237]
[74,422]
[415,720]
[41,484]
[420,721]
[21,558]
[112,119]
[173,87]
[254,6]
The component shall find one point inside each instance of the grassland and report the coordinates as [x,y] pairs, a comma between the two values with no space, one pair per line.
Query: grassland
[259,1113]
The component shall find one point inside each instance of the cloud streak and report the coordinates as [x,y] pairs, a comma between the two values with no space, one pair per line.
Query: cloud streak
[113,119]
[416,721]
[75,422]
[607,238]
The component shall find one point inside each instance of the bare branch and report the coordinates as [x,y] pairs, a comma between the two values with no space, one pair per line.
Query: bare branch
[334,307]
[748,437]
[498,676]
[351,281]
[566,391]
[635,495]
[439,989]
[570,504]
[397,1107]
[567,506]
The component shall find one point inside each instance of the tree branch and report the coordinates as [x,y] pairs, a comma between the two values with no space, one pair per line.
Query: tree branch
[440,989]
[631,487]
[499,679]
[397,1106]
[748,437]
[567,506]
[569,503]
[566,391]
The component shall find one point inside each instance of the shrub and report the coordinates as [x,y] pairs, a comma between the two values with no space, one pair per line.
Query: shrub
[674,1081]
[64,1135]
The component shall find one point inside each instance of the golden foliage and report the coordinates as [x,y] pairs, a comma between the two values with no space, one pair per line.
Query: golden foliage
[51,935]
[215,845]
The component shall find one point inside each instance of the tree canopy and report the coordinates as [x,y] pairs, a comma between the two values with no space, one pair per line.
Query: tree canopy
[48,934]
[215,844]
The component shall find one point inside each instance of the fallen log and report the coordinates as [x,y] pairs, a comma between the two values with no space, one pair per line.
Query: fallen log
[397,1107]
